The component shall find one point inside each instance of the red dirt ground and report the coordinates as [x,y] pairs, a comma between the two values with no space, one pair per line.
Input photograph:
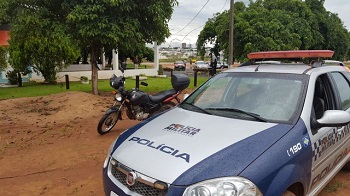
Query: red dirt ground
[49,146]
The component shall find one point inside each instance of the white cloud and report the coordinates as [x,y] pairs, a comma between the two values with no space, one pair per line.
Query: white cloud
[181,27]
[188,9]
[341,7]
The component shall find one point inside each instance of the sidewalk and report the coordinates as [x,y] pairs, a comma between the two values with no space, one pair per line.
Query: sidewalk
[7,85]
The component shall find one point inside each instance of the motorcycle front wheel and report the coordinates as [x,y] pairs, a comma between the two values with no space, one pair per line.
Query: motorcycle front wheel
[107,122]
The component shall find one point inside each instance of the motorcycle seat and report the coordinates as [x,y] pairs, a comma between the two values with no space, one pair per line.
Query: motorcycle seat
[161,96]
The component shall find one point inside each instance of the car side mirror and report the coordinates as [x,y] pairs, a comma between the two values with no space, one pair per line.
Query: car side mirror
[333,118]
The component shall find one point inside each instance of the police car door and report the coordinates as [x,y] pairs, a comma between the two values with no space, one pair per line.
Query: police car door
[341,84]
[327,142]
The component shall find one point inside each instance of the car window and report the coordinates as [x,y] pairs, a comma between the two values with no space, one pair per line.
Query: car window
[324,97]
[274,97]
[214,92]
[343,87]
[320,102]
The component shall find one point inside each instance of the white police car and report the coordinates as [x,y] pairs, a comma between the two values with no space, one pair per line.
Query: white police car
[259,129]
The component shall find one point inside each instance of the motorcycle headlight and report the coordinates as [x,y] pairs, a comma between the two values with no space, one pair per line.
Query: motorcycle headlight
[109,153]
[118,97]
[227,186]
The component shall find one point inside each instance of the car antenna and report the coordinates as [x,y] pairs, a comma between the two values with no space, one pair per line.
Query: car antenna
[257,68]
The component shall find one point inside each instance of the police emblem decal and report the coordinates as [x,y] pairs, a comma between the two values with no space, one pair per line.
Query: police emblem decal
[306,141]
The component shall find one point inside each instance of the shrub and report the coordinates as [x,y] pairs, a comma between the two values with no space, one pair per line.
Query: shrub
[12,77]
[84,78]
[160,70]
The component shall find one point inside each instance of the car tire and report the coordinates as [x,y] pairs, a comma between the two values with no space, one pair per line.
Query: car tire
[288,193]
[347,166]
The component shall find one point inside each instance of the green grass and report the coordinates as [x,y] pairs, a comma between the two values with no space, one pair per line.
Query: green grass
[33,89]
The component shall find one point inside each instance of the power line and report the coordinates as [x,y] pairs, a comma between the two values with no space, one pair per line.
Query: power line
[191,32]
[193,17]
[223,7]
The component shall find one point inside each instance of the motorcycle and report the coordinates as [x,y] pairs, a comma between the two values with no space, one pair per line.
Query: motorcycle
[137,104]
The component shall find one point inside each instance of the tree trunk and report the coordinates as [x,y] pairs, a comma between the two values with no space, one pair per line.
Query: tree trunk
[19,78]
[94,68]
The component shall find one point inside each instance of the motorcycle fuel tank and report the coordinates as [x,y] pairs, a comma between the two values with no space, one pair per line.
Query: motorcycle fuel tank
[138,97]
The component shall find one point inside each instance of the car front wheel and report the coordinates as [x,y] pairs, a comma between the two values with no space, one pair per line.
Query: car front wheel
[288,193]
[347,166]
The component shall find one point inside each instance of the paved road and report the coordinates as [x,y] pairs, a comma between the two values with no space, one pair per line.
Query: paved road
[188,72]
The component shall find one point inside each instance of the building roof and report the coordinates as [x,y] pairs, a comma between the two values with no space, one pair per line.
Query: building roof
[4,37]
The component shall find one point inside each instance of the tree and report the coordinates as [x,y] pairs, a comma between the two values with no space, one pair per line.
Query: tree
[148,54]
[3,12]
[97,25]
[47,51]
[39,39]
[121,24]
[3,20]
[335,36]
[140,50]
[277,25]
[3,58]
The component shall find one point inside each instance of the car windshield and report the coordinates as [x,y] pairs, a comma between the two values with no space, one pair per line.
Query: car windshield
[178,62]
[267,97]
[200,62]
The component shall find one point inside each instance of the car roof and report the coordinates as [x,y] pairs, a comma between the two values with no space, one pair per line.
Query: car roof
[273,66]
[333,62]
[286,68]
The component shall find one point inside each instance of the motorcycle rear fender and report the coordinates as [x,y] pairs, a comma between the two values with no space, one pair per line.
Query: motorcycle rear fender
[175,96]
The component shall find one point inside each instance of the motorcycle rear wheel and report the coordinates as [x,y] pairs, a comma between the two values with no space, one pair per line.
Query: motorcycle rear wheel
[165,106]
[107,122]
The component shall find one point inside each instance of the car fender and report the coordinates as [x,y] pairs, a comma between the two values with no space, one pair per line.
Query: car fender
[278,168]
[286,176]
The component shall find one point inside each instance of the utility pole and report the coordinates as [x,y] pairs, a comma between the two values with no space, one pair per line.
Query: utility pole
[230,55]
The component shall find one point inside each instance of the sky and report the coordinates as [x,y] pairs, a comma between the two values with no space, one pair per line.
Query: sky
[190,16]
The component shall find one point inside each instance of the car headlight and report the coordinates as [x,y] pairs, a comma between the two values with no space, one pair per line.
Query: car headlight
[109,153]
[227,186]
[118,97]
